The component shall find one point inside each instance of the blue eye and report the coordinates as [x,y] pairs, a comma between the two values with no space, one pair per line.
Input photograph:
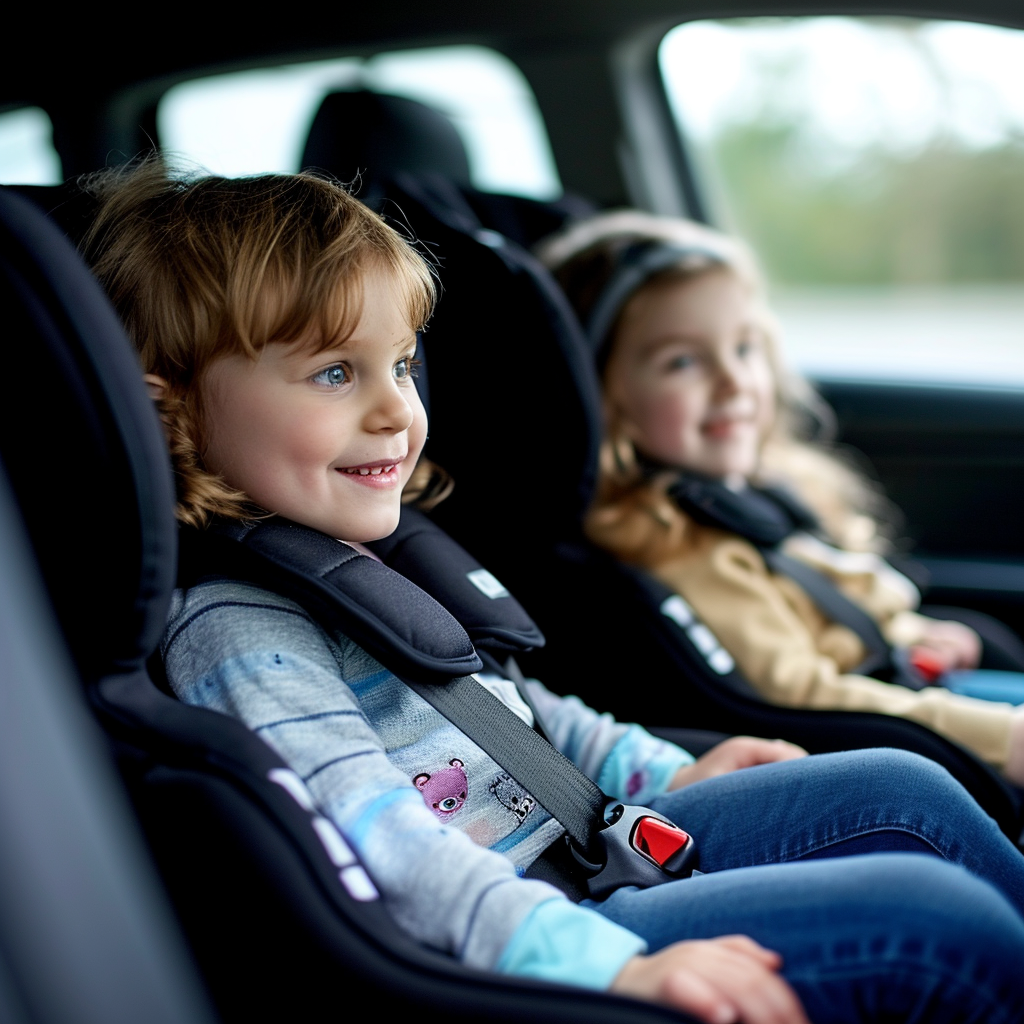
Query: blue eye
[405,368]
[747,347]
[332,377]
[682,362]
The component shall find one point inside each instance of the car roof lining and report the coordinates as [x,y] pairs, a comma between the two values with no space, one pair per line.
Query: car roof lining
[100,62]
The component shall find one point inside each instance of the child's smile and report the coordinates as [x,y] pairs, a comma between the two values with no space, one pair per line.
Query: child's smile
[375,474]
[330,438]
[688,378]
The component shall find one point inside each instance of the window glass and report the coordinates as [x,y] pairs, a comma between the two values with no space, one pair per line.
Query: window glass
[877,166]
[256,121]
[27,156]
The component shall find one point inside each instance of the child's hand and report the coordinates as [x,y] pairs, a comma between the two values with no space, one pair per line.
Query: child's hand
[957,645]
[732,754]
[731,980]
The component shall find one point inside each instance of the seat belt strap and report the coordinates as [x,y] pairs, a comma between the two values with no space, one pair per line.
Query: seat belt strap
[830,599]
[835,605]
[564,791]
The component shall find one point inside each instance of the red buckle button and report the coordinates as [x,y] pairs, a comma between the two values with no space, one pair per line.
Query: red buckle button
[658,839]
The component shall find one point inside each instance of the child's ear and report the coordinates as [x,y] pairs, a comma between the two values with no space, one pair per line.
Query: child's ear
[156,387]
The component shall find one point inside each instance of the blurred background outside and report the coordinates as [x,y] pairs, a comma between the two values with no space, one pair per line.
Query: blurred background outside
[877,166]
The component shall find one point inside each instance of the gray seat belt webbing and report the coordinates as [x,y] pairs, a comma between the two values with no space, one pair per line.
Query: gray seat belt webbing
[551,778]
[831,601]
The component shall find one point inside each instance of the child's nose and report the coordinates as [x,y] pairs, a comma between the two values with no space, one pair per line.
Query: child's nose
[728,378]
[390,410]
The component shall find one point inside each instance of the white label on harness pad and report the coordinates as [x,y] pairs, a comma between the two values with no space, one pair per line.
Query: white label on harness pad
[486,583]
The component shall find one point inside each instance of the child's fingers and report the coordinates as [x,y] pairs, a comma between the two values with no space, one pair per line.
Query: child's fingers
[758,994]
[687,991]
[747,946]
[721,981]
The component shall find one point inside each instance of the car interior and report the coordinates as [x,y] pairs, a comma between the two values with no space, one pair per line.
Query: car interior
[137,830]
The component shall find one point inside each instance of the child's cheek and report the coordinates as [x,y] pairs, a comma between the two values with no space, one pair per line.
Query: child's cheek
[670,420]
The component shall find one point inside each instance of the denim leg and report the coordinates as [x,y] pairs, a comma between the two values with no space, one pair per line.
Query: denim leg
[894,937]
[786,811]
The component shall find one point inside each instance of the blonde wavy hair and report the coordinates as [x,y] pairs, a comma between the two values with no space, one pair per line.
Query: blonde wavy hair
[201,267]
[797,450]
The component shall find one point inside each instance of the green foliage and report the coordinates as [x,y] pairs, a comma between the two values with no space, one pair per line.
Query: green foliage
[947,213]
[821,212]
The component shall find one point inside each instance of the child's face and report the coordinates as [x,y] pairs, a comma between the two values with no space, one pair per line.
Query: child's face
[327,439]
[689,378]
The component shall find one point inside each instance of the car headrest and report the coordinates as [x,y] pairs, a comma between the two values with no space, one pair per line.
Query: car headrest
[83,449]
[376,136]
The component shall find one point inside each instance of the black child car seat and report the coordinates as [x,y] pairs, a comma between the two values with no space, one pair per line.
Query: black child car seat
[283,921]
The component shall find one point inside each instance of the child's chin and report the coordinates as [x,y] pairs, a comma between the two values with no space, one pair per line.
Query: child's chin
[378,528]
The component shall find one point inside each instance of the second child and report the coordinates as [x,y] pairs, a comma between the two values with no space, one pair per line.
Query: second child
[701,429]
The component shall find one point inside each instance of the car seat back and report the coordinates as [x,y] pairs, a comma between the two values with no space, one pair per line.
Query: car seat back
[281,917]
[367,138]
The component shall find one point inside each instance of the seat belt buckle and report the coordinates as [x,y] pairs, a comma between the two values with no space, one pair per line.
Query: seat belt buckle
[641,848]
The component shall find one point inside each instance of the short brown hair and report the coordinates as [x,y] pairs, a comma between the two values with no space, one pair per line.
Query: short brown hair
[201,267]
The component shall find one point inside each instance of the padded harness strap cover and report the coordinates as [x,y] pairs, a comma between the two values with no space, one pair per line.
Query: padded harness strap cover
[407,631]
[399,624]
[422,552]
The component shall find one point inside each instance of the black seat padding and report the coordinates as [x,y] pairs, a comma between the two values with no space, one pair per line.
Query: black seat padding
[367,132]
[516,419]
[273,925]
[367,138]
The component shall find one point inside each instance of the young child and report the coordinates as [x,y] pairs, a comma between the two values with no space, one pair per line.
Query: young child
[695,393]
[276,318]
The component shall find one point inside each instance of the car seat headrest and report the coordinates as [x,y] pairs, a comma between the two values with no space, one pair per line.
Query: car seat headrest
[502,331]
[83,449]
[376,136]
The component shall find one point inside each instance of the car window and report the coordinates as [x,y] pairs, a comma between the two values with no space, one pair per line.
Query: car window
[877,165]
[254,121]
[27,156]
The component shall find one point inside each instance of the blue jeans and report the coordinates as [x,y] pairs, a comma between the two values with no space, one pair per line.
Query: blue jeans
[934,933]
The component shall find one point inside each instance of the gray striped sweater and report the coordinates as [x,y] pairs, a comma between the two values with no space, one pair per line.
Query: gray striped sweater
[444,832]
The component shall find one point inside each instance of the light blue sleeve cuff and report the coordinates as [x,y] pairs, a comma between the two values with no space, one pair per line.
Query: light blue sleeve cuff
[562,942]
[640,766]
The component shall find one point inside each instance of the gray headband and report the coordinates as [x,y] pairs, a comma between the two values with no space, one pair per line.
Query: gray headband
[635,266]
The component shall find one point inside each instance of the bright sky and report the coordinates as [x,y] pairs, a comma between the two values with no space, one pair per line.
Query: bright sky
[858,81]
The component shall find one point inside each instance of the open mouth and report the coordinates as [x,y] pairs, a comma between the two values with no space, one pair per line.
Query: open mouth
[374,471]
[381,473]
